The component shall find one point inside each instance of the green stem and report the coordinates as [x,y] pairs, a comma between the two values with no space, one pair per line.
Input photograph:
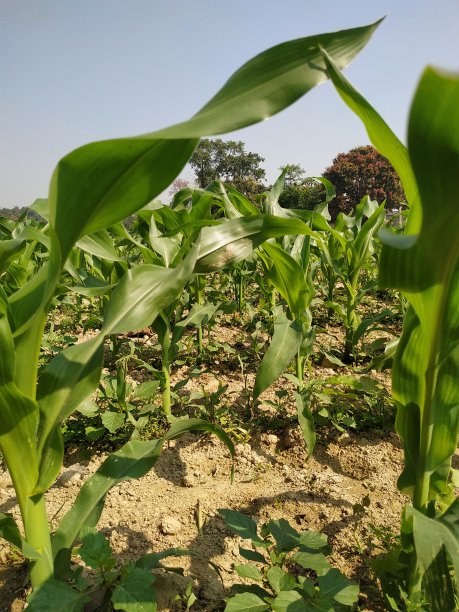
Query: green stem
[37,535]
[199,339]
[198,298]
[166,389]
[240,291]
[300,371]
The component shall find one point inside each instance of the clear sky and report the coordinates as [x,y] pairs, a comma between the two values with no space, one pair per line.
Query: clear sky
[74,71]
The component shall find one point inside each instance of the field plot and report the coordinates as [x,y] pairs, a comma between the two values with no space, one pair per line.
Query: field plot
[223,403]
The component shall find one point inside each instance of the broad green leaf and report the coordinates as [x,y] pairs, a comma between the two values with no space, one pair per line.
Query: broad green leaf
[284,346]
[9,531]
[271,81]
[56,596]
[166,248]
[272,206]
[146,390]
[200,314]
[142,293]
[251,555]
[313,539]
[280,580]
[285,536]
[248,571]
[18,424]
[51,459]
[112,420]
[380,134]
[133,460]
[240,524]
[425,268]
[135,592]
[287,276]
[335,586]
[99,244]
[313,561]
[245,602]
[234,240]
[101,183]
[88,408]
[431,534]
[68,379]
[291,601]
[95,549]
[9,249]
[41,206]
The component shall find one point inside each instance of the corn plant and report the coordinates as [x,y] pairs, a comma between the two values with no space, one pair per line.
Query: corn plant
[92,188]
[344,254]
[423,264]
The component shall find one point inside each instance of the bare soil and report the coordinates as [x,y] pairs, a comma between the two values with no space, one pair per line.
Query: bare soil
[347,490]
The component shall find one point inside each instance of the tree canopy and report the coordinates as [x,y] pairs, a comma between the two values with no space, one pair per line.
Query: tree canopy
[299,192]
[363,171]
[228,161]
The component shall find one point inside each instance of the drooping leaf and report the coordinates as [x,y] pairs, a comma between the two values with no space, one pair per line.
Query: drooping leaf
[101,183]
[430,535]
[133,460]
[425,267]
[380,134]
[284,346]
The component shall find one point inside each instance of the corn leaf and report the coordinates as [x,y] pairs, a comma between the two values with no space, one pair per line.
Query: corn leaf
[425,267]
[133,460]
[284,346]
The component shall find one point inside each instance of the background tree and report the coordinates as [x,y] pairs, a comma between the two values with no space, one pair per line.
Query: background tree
[300,192]
[359,172]
[294,175]
[177,185]
[228,161]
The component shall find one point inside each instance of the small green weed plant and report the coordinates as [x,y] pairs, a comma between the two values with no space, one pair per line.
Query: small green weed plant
[290,570]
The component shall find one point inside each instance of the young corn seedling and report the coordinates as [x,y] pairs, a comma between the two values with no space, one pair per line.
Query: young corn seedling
[92,188]
[344,255]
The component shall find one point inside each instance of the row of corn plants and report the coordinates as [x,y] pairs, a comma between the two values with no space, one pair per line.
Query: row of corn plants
[93,188]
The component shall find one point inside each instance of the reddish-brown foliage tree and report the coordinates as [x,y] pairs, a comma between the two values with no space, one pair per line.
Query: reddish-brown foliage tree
[360,172]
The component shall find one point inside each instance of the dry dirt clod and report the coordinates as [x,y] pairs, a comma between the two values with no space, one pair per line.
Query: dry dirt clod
[170,525]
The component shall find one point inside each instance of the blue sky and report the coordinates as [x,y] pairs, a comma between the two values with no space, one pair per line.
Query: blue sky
[76,71]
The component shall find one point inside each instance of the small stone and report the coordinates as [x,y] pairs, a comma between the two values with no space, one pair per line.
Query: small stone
[344,439]
[188,481]
[69,477]
[170,525]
